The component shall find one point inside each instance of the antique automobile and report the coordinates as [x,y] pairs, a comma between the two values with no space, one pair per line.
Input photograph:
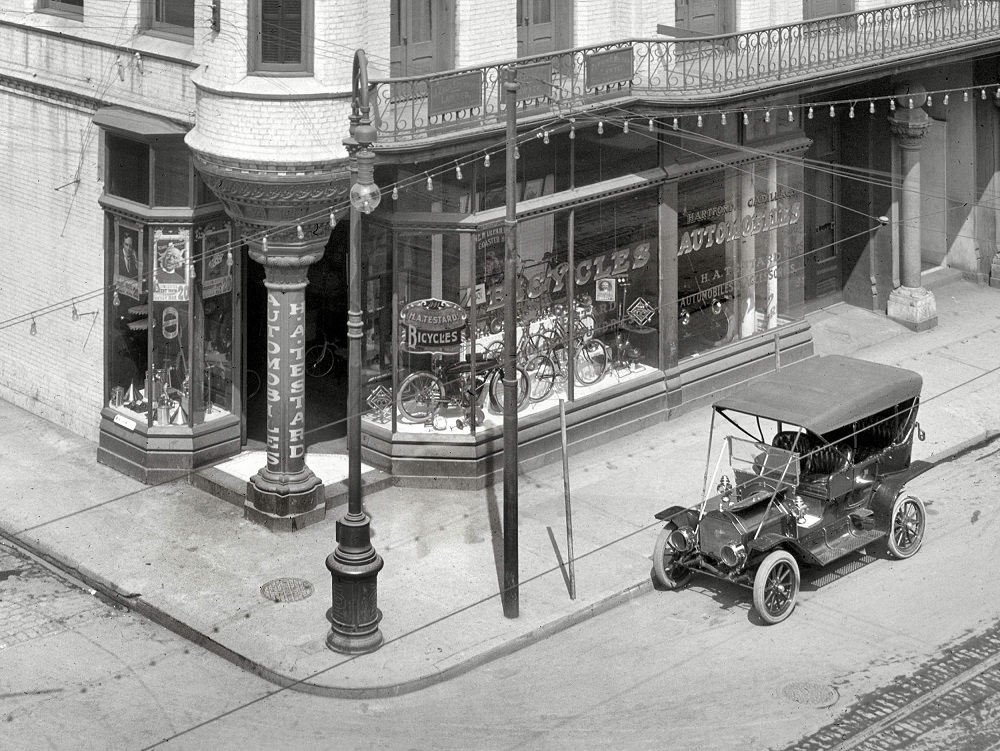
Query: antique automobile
[813,470]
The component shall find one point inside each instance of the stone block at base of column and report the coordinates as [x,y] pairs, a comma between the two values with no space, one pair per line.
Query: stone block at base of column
[914,307]
[285,510]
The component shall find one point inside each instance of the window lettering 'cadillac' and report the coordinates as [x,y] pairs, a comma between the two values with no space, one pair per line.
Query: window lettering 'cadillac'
[816,472]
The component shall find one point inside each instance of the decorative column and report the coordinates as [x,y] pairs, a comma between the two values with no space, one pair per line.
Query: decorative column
[285,494]
[910,303]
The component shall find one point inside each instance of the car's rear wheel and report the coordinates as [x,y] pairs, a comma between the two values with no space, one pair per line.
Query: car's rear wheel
[775,586]
[906,529]
[666,570]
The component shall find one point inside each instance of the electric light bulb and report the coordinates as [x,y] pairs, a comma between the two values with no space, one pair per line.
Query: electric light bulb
[850,114]
[625,127]
[299,233]
[767,116]
[458,172]
[675,123]
[430,183]
[791,116]
[486,160]
[651,125]
[333,220]
[833,111]
[700,121]
[871,107]
[395,193]
[723,118]
[545,136]
[600,127]
[945,102]
[810,113]
[746,119]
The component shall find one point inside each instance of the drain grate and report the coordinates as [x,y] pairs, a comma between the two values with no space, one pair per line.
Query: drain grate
[287,589]
[811,694]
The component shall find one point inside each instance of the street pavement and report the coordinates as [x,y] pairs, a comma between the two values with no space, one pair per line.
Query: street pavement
[192,563]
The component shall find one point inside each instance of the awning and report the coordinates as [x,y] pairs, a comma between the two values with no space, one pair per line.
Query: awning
[137,123]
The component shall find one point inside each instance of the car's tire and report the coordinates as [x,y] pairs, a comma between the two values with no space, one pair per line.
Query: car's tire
[775,586]
[667,573]
[906,526]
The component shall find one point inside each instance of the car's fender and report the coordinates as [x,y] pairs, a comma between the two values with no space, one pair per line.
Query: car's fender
[885,493]
[679,515]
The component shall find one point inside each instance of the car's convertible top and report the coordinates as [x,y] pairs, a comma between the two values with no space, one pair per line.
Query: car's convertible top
[824,393]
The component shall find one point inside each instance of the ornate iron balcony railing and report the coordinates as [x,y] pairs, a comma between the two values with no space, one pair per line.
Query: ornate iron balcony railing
[683,71]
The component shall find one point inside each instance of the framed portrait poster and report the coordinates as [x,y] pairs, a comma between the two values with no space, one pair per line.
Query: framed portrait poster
[171,264]
[128,260]
[216,269]
[606,290]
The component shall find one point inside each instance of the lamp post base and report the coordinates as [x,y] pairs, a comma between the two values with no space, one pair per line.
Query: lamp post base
[914,307]
[354,565]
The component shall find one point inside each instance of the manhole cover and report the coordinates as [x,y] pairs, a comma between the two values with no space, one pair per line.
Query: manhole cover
[811,694]
[287,589]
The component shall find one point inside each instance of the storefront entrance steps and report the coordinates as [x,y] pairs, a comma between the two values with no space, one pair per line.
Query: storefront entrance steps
[227,480]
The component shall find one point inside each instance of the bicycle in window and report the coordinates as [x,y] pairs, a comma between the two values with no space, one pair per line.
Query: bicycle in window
[551,339]
[423,393]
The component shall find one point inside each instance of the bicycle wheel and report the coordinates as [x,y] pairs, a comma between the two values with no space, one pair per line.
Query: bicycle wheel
[419,393]
[591,362]
[497,389]
[541,373]
[319,360]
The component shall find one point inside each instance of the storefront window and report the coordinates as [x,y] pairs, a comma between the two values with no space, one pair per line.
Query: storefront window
[592,271]
[171,356]
[739,255]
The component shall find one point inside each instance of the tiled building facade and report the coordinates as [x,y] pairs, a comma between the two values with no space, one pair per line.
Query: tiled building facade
[692,181]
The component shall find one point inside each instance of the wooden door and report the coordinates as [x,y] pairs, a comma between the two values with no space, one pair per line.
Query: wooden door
[706,17]
[820,8]
[420,37]
[822,260]
[544,26]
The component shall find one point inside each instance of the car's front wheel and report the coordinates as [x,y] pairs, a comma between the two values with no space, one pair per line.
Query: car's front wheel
[666,570]
[906,529]
[775,586]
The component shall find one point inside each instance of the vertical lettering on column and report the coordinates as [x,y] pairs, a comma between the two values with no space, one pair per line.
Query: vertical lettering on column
[274,358]
[297,380]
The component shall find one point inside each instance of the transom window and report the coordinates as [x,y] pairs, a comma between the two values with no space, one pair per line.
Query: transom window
[171,17]
[67,7]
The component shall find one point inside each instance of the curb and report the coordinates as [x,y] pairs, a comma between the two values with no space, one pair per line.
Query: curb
[110,593]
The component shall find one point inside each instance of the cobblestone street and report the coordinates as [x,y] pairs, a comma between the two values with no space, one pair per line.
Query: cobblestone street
[34,603]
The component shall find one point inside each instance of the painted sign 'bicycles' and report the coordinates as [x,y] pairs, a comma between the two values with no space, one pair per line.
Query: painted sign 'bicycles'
[433,326]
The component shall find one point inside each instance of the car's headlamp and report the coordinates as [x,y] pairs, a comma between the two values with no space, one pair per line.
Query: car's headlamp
[733,554]
[681,540]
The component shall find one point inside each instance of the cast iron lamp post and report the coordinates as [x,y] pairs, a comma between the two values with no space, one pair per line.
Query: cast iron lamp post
[354,565]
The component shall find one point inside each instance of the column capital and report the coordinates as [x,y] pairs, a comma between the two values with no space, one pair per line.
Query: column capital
[909,126]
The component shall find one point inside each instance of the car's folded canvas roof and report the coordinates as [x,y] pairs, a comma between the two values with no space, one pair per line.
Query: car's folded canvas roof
[824,393]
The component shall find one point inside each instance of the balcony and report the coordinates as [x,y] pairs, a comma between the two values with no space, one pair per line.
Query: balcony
[683,72]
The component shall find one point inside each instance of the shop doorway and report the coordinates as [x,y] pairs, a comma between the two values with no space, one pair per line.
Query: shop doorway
[326,322]
[823,272]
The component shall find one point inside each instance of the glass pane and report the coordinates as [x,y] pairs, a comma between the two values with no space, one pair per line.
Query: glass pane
[172,175]
[216,325]
[541,11]
[612,154]
[127,169]
[169,371]
[440,386]
[421,20]
[174,13]
[129,327]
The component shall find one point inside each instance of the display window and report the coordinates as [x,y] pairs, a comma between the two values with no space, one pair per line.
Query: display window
[171,357]
[739,255]
[587,314]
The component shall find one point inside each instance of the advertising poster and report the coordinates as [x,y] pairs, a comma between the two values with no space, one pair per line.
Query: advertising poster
[171,269]
[216,274]
[128,260]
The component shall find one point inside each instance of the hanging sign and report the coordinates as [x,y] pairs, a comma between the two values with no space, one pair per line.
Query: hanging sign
[432,326]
